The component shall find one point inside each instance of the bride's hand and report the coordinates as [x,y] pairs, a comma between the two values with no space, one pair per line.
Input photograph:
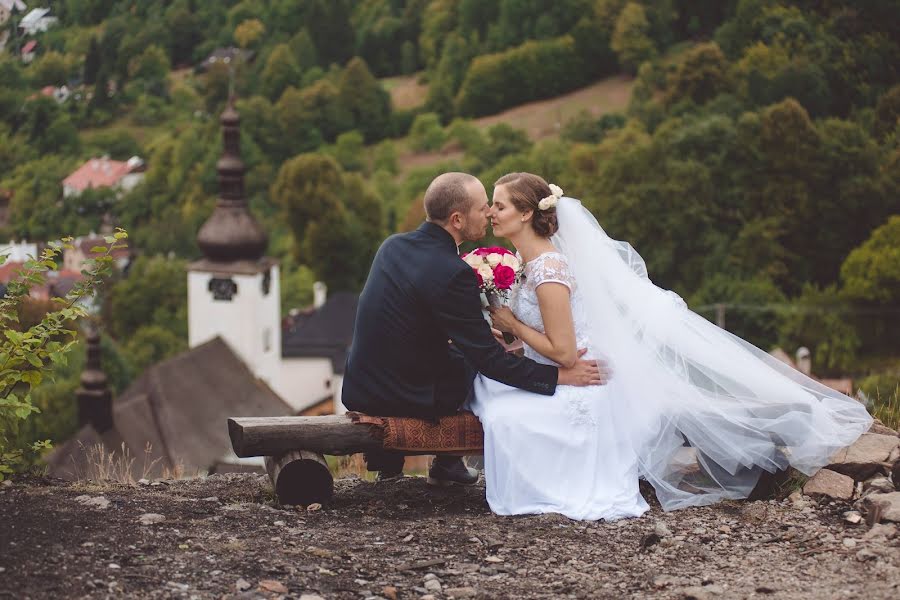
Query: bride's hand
[503,318]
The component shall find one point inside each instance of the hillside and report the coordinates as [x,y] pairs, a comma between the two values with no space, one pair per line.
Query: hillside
[221,537]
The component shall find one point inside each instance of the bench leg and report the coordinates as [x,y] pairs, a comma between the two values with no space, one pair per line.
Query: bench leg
[300,477]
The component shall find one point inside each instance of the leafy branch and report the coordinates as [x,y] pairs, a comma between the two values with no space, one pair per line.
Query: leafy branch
[27,357]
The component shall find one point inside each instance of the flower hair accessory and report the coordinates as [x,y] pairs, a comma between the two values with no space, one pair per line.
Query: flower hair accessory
[551,200]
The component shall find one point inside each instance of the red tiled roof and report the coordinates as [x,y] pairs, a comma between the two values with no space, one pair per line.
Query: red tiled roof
[97,172]
[29,46]
[8,270]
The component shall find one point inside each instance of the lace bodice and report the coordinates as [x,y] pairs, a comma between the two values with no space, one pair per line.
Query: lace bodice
[546,268]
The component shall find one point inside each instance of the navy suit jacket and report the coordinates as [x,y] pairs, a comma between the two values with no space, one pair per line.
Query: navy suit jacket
[419,295]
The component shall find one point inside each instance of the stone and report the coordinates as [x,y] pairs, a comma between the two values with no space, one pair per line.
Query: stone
[853,517]
[895,475]
[150,519]
[461,592]
[866,456]
[433,586]
[706,592]
[311,597]
[879,427]
[887,505]
[270,585]
[94,501]
[830,484]
[242,585]
[662,530]
[389,592]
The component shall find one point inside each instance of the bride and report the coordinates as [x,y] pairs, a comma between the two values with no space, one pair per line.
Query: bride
[695,411]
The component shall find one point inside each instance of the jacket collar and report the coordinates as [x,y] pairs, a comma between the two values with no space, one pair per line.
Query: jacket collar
[440,234]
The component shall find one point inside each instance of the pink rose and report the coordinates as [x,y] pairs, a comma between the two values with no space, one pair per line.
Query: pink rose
[486,251]
[504,277]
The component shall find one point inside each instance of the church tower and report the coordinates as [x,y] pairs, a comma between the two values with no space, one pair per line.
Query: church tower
[233,291]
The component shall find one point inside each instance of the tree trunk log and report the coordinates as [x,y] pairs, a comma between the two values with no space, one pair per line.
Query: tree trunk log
[300,477]
[327,434]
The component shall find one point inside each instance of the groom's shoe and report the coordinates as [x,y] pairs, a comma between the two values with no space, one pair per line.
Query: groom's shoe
[451,470]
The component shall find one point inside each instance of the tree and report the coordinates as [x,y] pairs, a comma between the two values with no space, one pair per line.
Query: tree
[887,112]
[426,133]
[701,76]
[150,344]
[49,69]
[362,96]
[280,72]
[153,293]
[871,273]
[630,39]
[28,356]
[92,62]
[249,32]
[304,50]
[152,66]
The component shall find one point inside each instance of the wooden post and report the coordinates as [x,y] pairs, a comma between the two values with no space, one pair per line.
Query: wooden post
[300,477]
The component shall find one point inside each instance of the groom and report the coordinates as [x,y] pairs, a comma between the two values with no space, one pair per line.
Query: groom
[420,336]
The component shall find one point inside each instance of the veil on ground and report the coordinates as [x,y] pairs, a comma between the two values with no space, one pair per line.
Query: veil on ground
[705,411]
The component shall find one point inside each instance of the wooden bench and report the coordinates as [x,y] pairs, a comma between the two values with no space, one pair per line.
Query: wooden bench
[294,447]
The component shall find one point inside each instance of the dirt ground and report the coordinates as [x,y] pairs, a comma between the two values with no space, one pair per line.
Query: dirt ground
[224,537]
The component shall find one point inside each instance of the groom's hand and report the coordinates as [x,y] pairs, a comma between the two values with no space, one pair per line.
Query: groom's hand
[584,372]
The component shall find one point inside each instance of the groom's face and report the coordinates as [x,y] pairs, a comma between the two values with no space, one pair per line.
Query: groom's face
[476,221]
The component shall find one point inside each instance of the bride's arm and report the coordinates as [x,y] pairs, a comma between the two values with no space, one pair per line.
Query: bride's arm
[558,343]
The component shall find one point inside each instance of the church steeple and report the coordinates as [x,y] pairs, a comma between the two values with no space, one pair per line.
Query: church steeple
[231,234]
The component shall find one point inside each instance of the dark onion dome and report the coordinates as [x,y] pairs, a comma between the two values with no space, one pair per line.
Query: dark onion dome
[231,233]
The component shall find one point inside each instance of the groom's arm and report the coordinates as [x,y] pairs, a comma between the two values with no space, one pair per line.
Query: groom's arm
[458,310]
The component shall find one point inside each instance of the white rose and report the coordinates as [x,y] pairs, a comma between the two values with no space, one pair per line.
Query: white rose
[473,260]
[548,202]
[556,190]
[486,272]
[510,260]
[494,259]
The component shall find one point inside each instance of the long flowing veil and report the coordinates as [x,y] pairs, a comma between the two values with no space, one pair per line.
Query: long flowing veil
[706,411]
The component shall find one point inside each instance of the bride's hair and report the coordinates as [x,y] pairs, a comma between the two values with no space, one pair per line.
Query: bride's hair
[525,191]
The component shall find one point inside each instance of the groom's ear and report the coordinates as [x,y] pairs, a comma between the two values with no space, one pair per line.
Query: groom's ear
[456,221]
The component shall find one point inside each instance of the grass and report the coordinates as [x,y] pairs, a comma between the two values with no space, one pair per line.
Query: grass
[886,408]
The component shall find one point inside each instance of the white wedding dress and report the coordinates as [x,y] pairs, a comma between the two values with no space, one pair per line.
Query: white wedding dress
[694,410]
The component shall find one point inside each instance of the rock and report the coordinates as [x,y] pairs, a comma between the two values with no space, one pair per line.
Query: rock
[662,530]
[879,427]
[828,483]
[314,507]
[853,517]
[150,519]
[242,585]
[389,592]
[461,592]
[849,543]
[113,566]
[95,501]
[143,481]
[429,577]
[270,585]
[493,559]
[701,593]
[866,456]
[311,597]
[425,597]
[887,506]
[881,532]
[433,586]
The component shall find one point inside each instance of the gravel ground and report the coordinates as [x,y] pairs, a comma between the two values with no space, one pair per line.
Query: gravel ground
[224,537]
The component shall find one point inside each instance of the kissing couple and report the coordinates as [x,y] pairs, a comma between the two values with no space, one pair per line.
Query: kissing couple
[619,380]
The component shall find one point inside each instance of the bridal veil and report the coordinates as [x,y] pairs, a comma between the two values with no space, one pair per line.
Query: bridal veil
[705,410]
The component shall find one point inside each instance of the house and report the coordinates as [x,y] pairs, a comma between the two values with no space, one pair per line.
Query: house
[104,172]
[28,51]
[18,252]
[8,7]
[225,56]
[60,94]
[37,21]
[75,257]
[171,420]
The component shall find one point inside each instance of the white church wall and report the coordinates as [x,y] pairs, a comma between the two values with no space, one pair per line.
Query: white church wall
[305,381]
[250,322]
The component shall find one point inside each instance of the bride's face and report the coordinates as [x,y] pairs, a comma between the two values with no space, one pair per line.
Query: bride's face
[506,219]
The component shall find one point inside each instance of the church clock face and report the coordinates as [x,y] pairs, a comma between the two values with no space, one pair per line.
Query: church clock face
[222,288]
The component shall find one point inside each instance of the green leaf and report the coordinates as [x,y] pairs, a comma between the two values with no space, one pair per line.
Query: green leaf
[97,249]
[31,358]
[13,336]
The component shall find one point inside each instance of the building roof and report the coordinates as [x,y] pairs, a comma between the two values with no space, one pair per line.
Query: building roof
[28,47]
[178,408]
[100,172]
[34,16]
[327,332]
[13,4]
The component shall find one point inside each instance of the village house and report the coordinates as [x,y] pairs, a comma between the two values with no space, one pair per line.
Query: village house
[75,257]
[37,21]
[104,172]
[29,51]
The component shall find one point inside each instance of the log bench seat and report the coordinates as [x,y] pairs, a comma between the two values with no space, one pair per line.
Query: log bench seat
[293,447]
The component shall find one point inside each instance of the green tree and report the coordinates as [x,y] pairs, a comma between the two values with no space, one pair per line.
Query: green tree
[92,62]
[249,32]
[367,103]
[154,293]
[304,50]
[871,273]
[701,76]
[280,72]
[150,344]
[631,40]
[426,133]
[49,69]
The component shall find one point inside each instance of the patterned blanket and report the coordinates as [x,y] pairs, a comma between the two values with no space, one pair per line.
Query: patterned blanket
[461,433]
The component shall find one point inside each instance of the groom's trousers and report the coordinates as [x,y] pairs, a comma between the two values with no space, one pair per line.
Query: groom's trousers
[451,391]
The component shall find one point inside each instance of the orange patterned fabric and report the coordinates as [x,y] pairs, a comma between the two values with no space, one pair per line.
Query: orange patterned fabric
[458,433]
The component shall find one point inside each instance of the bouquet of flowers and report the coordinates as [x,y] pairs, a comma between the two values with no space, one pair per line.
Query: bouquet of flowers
[497,270]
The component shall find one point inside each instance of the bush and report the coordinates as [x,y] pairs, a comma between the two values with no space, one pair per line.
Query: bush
[426,133]
[532,71]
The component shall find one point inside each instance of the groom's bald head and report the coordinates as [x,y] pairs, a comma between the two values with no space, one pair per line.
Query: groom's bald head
[450,193]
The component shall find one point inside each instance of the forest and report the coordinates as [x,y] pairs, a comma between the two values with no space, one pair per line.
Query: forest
[756,165]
